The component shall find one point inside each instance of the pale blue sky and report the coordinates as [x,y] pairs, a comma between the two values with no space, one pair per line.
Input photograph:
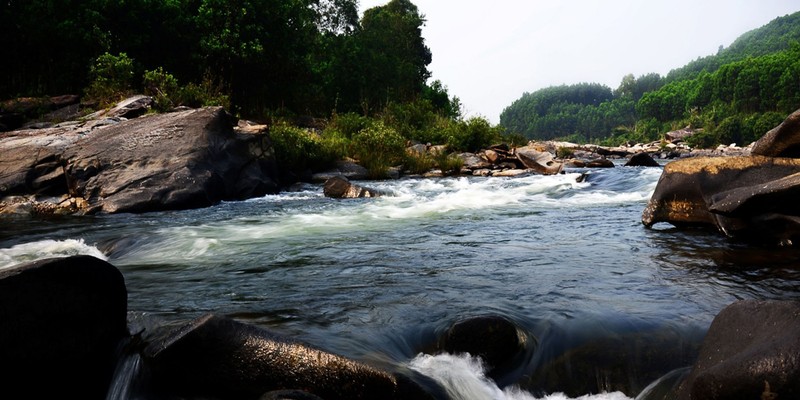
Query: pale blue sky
[489,52]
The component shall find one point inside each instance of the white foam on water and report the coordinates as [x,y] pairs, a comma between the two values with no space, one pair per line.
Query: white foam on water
[407,201]
[28,252]
[463,377]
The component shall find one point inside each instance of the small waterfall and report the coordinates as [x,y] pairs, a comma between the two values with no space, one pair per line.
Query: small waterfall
[126,375]
[463,377]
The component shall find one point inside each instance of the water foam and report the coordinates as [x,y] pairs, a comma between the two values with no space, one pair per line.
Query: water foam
[464,378]
[28,252]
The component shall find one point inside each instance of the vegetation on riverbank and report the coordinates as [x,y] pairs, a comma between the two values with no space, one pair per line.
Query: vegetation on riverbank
[735,96]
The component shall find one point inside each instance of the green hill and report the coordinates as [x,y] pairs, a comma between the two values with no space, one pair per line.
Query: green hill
[735,96]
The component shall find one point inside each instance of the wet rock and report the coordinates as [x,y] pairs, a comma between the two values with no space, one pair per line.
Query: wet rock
[642,160]
[540,162]
[347,169]
[599,163]
[62,322]
[753,198]
[339,187]
[751,351]
[512,173]
[781,141]
[474,162]
[219,357]
[495,339]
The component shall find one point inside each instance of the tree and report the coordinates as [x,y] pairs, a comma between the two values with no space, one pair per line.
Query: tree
[393,53]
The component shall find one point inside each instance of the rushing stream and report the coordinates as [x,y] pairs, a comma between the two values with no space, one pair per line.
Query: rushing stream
[601,298]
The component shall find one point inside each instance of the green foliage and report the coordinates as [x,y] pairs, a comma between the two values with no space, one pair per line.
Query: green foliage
[418,163]
[348,124]
[564,152]
[471,135]
[162,86]
[378,147]
[203,95]
[112,78]
[300,150]
[449,164]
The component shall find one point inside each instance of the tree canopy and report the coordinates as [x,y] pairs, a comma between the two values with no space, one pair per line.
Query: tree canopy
[310,57]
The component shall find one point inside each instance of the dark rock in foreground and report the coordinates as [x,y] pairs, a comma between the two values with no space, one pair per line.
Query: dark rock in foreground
[751,351]
[219,357]
[61,323]
[496,340]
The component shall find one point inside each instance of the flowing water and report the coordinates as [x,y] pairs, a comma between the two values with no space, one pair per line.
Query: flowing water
[605,303]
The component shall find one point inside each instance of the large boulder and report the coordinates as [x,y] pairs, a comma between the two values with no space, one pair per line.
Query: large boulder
[781,141]
[179,160]
[61,323]
[641,160]
[218,357]
[753,198]
[541,162]
[751,351]
[499,343]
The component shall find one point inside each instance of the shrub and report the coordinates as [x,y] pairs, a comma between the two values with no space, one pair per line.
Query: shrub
[348,124]
[112,78]
[300,150]
[207,93]
[471,135]
[418,163]
[162,86]
[378,147]
[450,164]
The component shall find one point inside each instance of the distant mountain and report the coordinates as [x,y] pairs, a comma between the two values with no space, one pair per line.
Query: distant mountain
[775,36]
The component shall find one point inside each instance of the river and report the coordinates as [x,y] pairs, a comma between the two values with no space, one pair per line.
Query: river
[608,304]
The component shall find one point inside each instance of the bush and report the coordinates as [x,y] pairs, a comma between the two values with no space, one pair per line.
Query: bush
[207,93]
[378,147]
[348,124]
[112,78]
[299,150]
[419,163]
[471,135]
[162,86]
[450,164]
[413,120]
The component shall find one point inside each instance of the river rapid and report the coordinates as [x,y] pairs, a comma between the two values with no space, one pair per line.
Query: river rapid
[606,305]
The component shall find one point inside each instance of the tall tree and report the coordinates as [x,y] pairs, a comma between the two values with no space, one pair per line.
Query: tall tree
[394,56]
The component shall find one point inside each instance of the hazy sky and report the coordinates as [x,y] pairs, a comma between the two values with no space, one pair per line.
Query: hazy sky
[488,53]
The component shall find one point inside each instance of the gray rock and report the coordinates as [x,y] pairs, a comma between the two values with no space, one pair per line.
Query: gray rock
[339,187]
[541,162]
[179,160]
[751,351]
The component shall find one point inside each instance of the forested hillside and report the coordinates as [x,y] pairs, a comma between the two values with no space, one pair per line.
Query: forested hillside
[309,57]
[734,96]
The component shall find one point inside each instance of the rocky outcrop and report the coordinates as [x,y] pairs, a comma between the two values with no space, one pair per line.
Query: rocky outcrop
[502,161]
[62,323]
[751,351]
[16,113]
[745,197]
[339,187]
[222,358]
[177,160]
